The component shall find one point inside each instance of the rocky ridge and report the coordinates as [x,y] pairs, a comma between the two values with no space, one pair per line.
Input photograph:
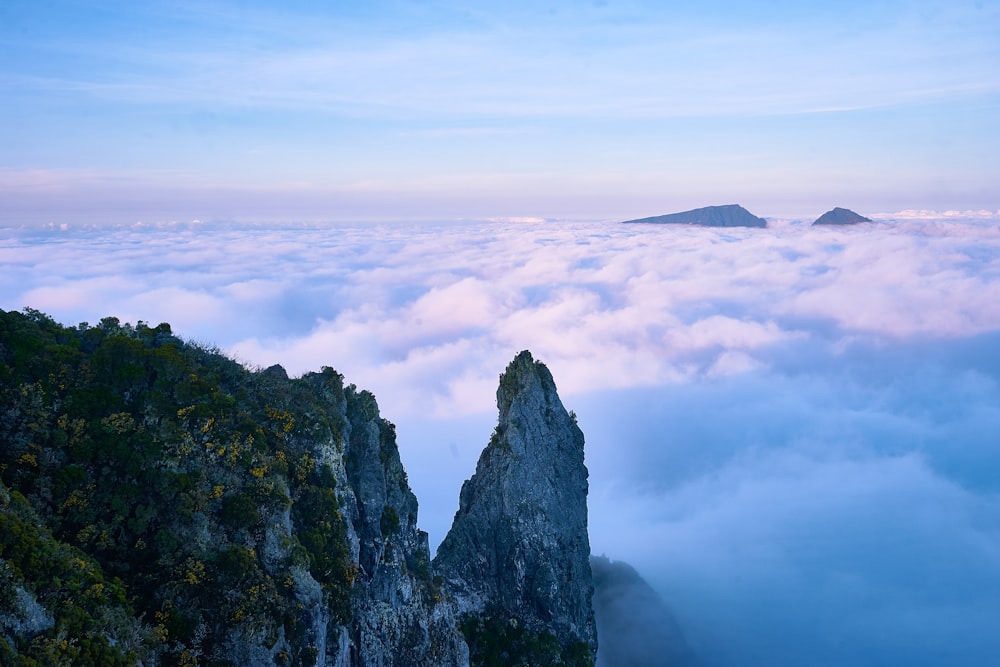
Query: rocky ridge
[162,505]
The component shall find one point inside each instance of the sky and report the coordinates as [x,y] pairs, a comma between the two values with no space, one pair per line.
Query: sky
[331,111]
[793,433]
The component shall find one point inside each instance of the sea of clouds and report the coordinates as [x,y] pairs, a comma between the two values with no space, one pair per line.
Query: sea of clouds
[793,433]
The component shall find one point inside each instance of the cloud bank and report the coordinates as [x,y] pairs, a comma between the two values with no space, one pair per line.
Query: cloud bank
[792,432]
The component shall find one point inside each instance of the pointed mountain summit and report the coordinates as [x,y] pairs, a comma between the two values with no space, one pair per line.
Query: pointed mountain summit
[518,547]
[840,216]
[729,215]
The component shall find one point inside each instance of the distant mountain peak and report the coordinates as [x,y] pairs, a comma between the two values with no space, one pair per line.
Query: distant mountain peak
[840,216]
[728,215]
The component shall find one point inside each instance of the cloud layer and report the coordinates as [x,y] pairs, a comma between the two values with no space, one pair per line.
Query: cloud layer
[792,432]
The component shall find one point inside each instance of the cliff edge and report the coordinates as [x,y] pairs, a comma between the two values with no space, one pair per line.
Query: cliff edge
[518,547]
[160,504]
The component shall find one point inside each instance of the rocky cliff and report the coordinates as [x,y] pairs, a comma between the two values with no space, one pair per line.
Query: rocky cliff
[518,548]
[162,505]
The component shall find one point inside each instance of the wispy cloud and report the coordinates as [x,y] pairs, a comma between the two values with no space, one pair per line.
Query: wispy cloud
[172,111]
[923,214]
[609,66]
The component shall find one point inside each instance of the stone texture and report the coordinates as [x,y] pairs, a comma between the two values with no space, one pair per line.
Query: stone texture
[519,544]
[24,615]
[398,619]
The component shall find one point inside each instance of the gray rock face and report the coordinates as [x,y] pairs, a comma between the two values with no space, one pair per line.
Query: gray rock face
[20,612]
[519,546]
[729,215]
[397,617]
[840,216]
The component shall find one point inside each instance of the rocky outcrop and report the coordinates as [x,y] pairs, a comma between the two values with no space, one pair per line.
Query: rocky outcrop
[729,215]
[840,216]
[518,548]
[398,617]
[635,626]
[161,504]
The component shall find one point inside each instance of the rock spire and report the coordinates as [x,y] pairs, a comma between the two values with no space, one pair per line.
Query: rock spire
[518,547]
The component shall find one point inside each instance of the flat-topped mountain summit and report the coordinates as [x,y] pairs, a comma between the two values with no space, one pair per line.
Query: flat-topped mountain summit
[729,215]
[840,216]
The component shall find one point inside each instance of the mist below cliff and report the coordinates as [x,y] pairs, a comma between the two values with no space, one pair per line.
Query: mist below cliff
[790,432]
[842,511]
[837,508]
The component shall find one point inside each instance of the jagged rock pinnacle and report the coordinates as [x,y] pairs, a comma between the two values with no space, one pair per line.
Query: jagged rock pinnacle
[519,545]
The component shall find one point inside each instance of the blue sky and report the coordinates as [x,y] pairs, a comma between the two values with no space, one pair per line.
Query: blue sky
[120,111]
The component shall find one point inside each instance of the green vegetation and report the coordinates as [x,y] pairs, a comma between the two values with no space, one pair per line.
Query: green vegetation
[322,534]
[389,523]
[87,607]
[140,477]
[161,504]
[496,640]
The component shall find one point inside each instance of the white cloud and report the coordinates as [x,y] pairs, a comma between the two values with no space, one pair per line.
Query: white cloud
[605,304]
[727,333]
[815,510]
[780,551]
[70,297]
[466,304]
[923,214]
[731,362]
[797,415]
